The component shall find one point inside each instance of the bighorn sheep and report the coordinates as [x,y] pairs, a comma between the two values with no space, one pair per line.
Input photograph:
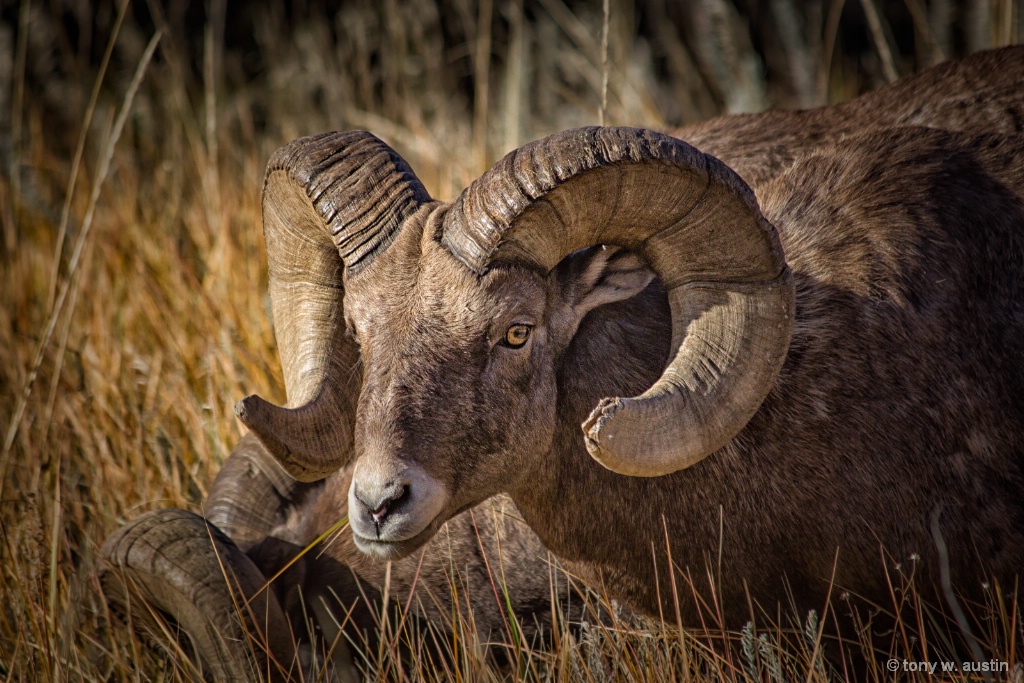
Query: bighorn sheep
[815,373]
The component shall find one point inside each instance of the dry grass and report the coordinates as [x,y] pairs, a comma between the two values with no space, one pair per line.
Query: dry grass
[133,278]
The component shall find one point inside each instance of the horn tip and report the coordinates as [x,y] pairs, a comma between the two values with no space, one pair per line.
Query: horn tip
[252,411]
[270,424]
[613,439]
[598,441]
[248,409]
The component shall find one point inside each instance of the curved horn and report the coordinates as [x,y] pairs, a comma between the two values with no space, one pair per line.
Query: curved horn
[325,196]
[251,494]
[187,569]
[698,225]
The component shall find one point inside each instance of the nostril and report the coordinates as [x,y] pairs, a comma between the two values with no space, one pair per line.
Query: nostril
[379,514]
[389,503]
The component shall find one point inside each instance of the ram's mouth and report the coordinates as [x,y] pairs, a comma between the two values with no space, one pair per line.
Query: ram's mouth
[395,550]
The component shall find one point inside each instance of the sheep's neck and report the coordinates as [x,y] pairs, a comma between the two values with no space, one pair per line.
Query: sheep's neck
[614,530]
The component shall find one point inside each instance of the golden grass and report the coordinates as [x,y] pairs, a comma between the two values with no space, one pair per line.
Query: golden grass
[133,284]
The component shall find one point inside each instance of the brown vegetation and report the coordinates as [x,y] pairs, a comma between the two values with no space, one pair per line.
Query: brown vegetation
[132,283]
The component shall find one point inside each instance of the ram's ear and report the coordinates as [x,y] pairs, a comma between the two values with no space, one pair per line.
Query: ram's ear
[601,275]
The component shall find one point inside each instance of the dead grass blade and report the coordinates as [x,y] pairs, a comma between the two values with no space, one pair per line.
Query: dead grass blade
[83,236]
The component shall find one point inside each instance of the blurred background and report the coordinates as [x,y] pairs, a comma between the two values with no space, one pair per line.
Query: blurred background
[133,137]
[476,78]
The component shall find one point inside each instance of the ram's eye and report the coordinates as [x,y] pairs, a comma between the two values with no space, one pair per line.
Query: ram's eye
[516,336]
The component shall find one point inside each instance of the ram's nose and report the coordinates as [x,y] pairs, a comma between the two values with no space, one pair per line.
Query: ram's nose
[391,501]
[380,499]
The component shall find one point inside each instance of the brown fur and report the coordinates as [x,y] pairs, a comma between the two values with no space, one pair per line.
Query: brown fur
[981,93]
[901,394]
